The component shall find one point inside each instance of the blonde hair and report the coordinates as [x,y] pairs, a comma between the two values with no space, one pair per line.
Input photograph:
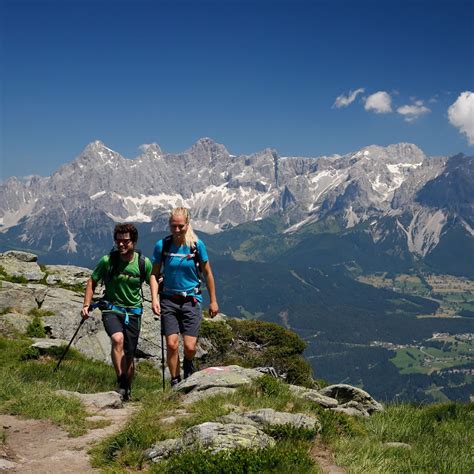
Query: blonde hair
[190,236]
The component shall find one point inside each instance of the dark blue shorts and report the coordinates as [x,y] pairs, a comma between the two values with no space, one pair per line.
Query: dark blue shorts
[180,315]
[115,322]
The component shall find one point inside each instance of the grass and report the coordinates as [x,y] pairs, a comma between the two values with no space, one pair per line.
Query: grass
[125,450]
[28,383]
[440,439]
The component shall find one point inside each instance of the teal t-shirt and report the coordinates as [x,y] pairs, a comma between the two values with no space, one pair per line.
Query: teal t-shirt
[124,287]
[179,270]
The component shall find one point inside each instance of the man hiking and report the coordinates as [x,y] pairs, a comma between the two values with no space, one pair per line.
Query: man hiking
[122,271]
[181,257]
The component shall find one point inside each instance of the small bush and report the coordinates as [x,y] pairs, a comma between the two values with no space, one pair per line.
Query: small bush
[30,353]
[270,386]
[277,459]
[218,333]
[35,328]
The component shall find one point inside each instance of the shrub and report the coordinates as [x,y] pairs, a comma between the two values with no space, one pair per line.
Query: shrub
[280,458]
[35,328]
[30,353]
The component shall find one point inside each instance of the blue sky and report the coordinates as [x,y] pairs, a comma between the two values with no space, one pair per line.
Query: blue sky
[249,74]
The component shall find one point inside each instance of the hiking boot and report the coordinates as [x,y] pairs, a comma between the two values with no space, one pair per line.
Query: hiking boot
[123,392]
[174,382]
[188,367]
[123,388]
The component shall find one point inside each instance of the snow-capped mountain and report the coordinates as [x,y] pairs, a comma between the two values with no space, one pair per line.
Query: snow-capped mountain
[72,210]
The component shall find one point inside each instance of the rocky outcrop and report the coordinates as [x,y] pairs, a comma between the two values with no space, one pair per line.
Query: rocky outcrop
[21,264]
[352,400]
[98,401]
[214,437]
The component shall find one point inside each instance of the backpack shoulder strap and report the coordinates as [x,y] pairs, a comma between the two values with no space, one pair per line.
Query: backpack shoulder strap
[195,253]
[141,266]
[166,248]
[113,265]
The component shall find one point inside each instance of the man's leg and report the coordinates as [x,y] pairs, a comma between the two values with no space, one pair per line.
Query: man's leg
[117,354]
[131,333]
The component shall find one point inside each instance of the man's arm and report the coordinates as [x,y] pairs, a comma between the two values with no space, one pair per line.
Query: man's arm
[155,304]
[211,288]
[88,295]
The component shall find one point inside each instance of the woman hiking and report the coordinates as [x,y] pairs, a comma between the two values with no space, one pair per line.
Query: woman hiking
[180,258]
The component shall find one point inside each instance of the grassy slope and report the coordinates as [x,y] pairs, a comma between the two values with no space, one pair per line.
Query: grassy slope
[438,434]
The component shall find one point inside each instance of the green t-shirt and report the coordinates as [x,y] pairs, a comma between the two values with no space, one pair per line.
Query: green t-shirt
[123,289]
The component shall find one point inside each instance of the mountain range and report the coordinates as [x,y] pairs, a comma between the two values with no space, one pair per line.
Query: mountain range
[398,191]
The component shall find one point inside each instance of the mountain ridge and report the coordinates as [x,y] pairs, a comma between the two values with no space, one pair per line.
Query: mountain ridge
[225,190]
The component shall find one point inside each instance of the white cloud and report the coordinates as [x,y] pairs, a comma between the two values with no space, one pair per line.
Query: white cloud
[461,115]
[345,100]
[380,102]
[413,111]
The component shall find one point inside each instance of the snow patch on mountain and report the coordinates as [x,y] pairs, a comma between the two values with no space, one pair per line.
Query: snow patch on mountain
[12,218]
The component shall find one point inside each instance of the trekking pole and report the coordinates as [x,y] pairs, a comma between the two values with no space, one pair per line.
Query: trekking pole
[69,345]
[162,356]
[99,305]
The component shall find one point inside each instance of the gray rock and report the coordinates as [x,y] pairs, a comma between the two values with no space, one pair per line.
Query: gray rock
[218,437]
[214,437]
[164,449]
[20,256]
[270,417]
[21,298]
[18,322]
[68,274]
[100,400]
[237,418]
[314,396]
[231,376]
[197,395]
[352,397]
[21,264]
[45,344]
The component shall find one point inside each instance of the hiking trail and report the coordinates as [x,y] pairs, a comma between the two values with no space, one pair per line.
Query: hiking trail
[41,447]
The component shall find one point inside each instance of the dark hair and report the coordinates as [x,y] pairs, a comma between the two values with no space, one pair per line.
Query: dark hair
[126,229]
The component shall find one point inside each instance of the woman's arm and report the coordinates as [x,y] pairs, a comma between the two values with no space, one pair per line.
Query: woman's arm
[211,288]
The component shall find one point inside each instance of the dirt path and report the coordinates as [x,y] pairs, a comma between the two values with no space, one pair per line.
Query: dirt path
[324,458]
[39,446]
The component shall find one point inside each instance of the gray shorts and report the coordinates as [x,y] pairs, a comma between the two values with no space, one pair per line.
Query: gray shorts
[180,315]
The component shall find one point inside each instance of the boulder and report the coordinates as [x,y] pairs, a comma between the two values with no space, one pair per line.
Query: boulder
[68,274]
[21,264]
[45,344]
[313,396]
[197,395]
[352,398]
[18,322]
[270,417]
[20,298]
[232,376]
[218,437]
[99,401]
[214,437]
